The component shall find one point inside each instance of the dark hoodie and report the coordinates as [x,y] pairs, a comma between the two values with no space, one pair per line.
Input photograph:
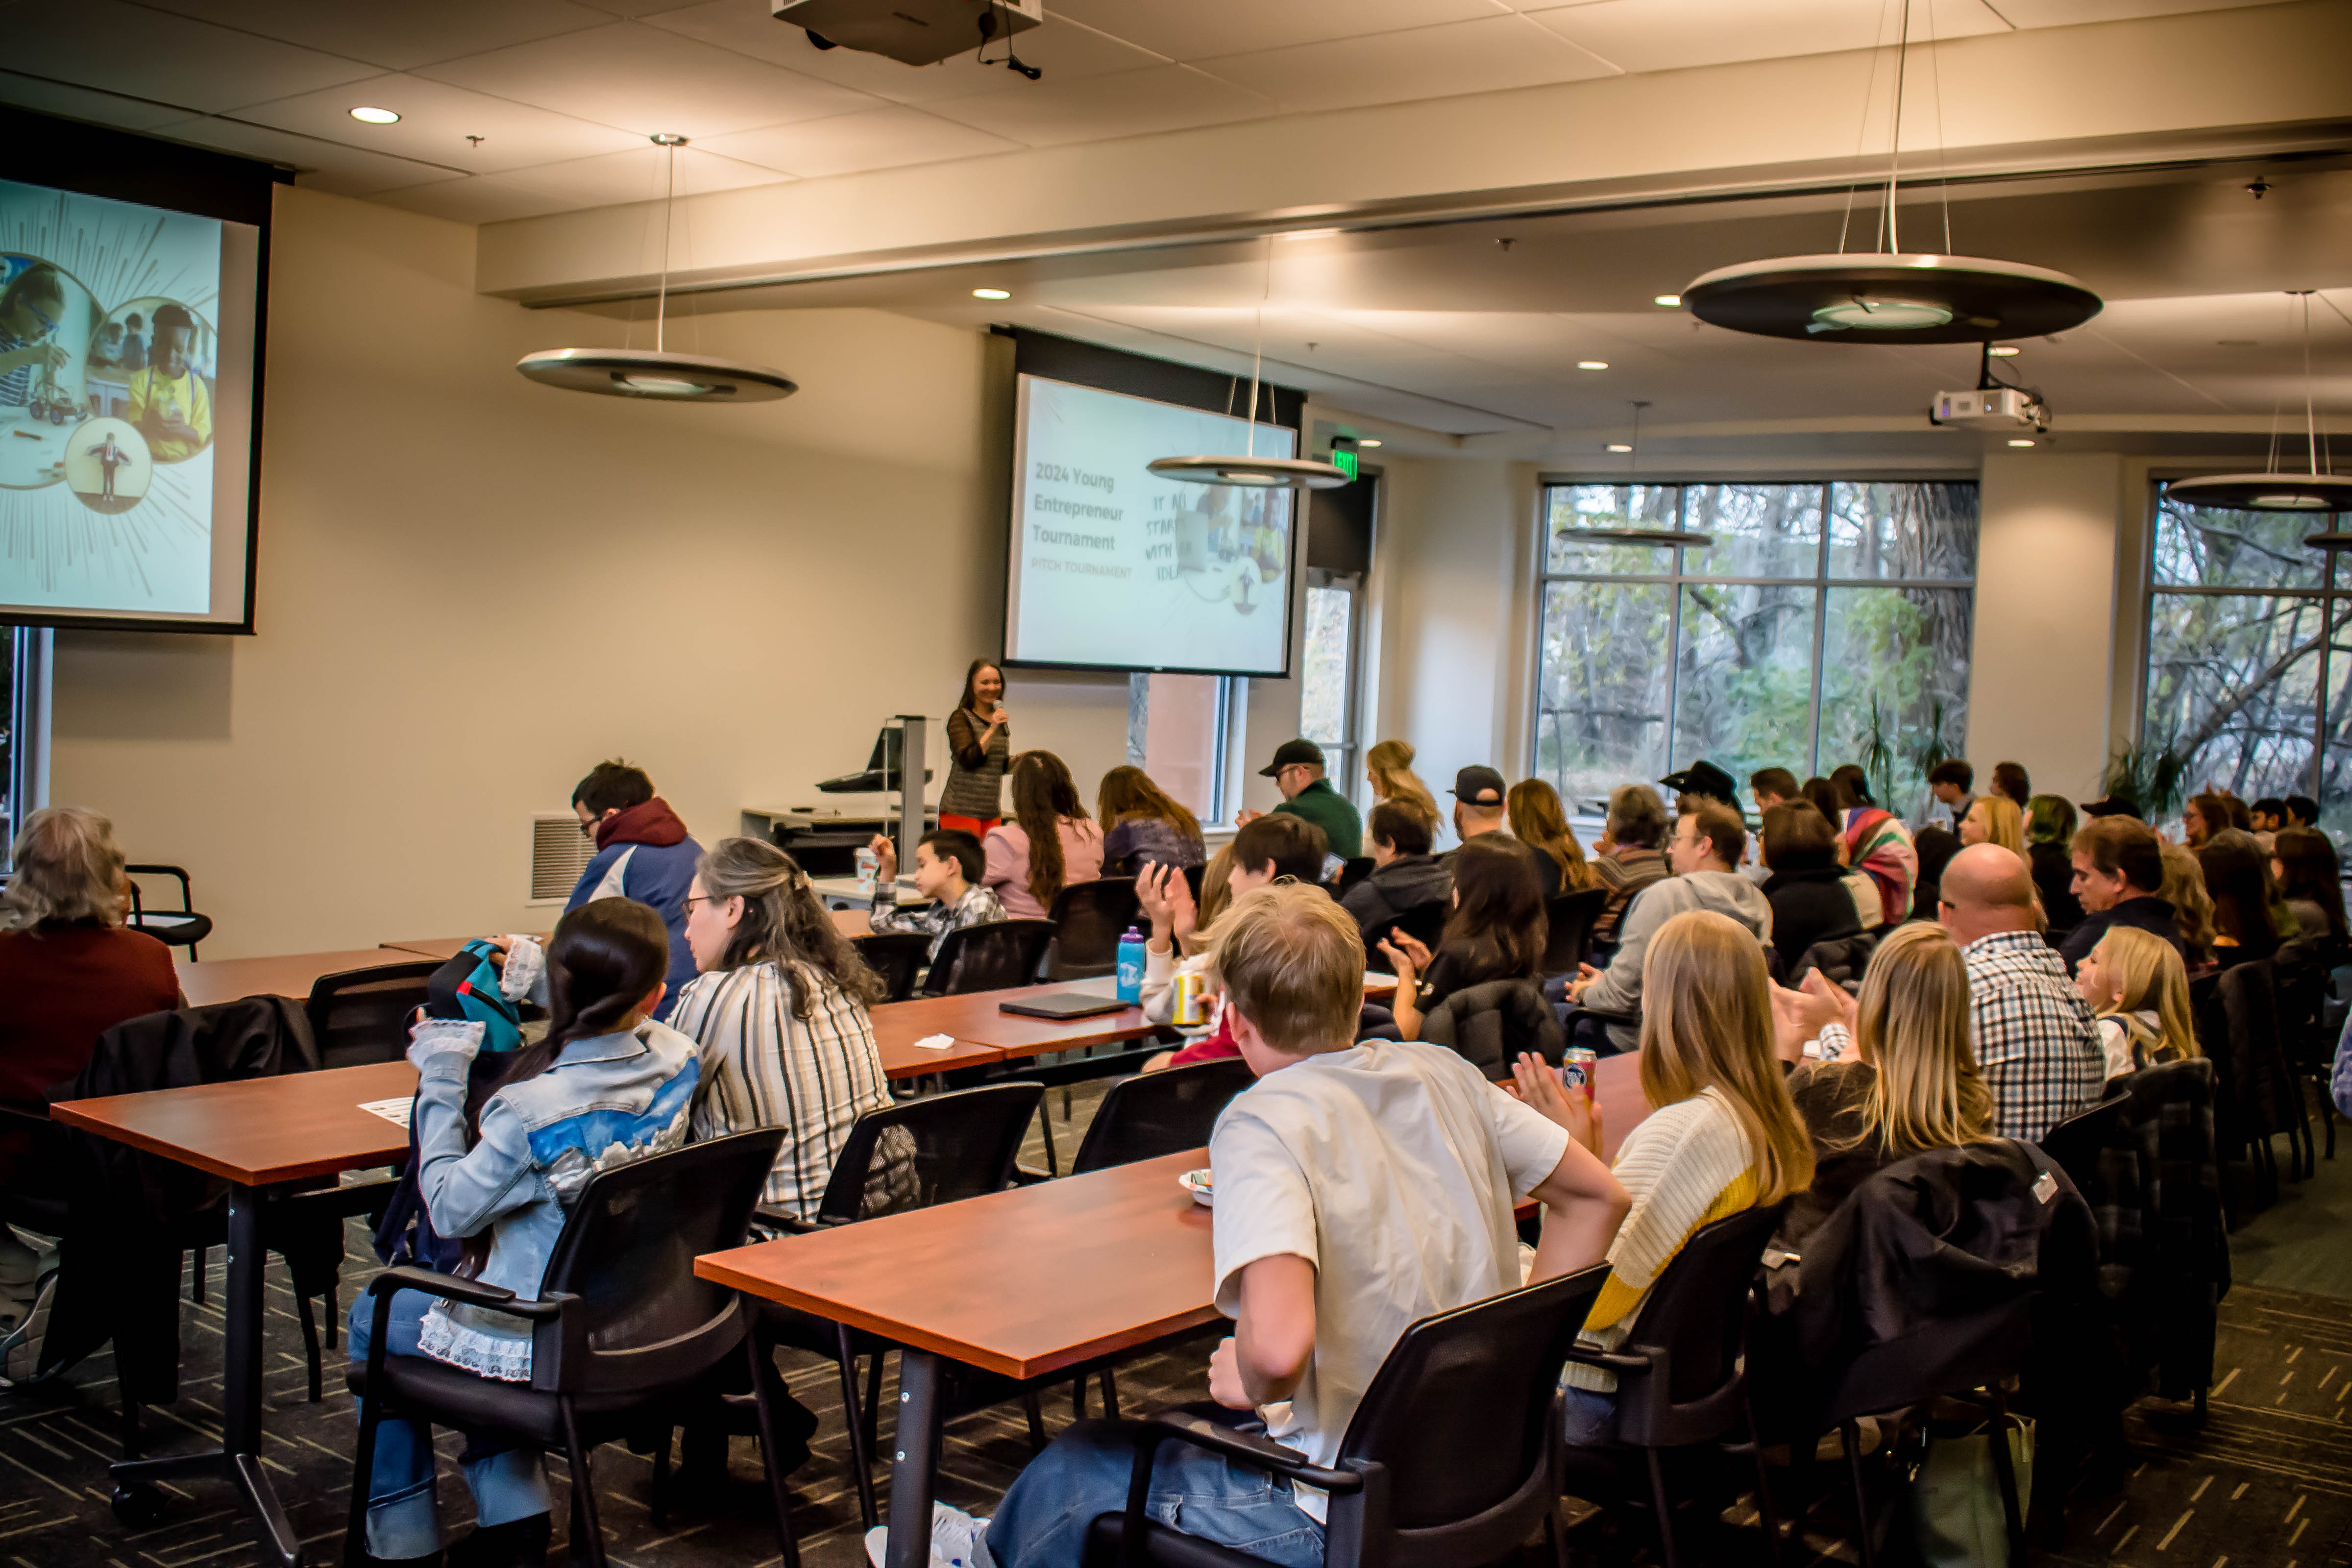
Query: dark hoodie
[1406,882]
[644,853]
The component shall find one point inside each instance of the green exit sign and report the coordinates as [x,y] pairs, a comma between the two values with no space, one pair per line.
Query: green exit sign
[1345,461]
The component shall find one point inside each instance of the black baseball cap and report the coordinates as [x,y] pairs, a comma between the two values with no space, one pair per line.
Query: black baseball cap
[1478,786]
[1704,777]
[2111,806]
[1291,753]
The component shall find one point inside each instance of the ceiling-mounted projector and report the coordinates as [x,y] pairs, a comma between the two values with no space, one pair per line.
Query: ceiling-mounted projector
[1991,409]
[915,32]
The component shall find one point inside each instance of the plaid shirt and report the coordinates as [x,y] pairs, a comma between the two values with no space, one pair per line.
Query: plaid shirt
[979,906]
[2035,1040]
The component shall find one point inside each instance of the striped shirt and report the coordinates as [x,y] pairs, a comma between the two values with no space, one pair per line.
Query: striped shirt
[17,385]
[764,1067]
[2035,1040]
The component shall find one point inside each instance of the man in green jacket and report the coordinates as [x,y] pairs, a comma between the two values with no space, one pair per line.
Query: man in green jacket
[1298,771]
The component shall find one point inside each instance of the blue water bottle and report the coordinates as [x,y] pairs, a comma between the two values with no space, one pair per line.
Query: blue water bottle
[1130,966]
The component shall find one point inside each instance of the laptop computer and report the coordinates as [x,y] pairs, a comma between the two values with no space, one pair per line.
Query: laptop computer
[1063,1005]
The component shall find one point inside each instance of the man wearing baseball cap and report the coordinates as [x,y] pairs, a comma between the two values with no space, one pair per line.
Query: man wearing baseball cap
[1298,771]
[1477,794]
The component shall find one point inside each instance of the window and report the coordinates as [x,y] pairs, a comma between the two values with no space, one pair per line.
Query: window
[1823,623]
[1177,727]
[24,740]
[1327,706]
[2248,667]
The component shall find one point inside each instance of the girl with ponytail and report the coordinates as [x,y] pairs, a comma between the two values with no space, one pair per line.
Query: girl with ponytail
[498,1166]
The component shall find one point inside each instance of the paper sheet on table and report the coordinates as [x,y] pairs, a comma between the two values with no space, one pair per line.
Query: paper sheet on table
[393,1111]
[936,1043]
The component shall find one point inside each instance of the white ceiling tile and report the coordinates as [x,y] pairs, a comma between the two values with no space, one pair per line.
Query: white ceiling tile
[2069,13]
[1063,49]
[640,7]
[641,175]
[396,37]
[170,59]
[85,103]
[1125,103]
[478,198]
[319,164]
[647,80]
[878,139]
[1671,34]
[1488,55]
[435,121]
[1199,30]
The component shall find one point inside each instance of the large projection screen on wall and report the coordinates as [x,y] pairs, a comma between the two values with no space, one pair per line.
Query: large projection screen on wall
[1113,568]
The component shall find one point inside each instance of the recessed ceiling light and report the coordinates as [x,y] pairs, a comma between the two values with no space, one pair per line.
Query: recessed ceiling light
[2004,352]
[1619,447]
[1592,365]
[991,294]
[375,115]
[1367,441]
[1670,300]
[2021,442]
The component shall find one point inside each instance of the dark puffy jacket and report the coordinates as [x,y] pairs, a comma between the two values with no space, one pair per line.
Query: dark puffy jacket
[1490,1024]
[1809,907]
[1405,883]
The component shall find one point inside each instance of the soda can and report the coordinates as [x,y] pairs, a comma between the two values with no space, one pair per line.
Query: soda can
[868,863]
[1192,1005]
[1576,1069]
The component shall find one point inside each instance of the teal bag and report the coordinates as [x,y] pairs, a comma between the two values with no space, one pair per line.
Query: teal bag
[1957,1518]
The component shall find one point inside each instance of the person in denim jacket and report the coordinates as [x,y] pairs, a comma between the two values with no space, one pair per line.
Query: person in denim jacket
[498,1169]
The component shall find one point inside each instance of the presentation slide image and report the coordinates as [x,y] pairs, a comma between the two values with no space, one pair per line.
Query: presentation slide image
[1113,566]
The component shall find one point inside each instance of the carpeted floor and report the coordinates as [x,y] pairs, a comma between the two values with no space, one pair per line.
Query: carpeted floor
[2266,1480]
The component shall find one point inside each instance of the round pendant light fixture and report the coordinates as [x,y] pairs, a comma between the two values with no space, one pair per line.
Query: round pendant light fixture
[657,373]
[1247,469]
[1669,536]
[1891,295]
[2274,490]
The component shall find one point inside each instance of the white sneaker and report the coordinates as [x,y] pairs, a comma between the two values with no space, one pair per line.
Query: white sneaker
[20,1352]
[955,1540]
[19,1264]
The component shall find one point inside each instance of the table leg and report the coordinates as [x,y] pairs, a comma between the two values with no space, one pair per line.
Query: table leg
[914,1464]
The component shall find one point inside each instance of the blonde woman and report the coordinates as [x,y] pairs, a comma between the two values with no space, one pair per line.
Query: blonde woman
[2192,905]
[1897,1075]
[2134,980]
[1995,819]
[1723,1138]
[1389,767]
[1538,821]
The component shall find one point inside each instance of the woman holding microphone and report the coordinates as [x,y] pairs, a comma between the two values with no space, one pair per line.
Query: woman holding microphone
[979,741]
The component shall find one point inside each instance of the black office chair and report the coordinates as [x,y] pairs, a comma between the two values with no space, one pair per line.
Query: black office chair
[1426,921]
[622,1326]
[182,927]
[1358,868]
[361,1016]
[1682,1374]
[1088,920]
[895,955]
[991,957]
[1157,1113]
[2075,1143]
[912,1155]
[1841,959]
[2303,974]
[1571,916]
[1454,1456]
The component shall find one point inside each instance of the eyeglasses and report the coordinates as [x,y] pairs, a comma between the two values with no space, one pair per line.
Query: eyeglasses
[688,903]
[49,322]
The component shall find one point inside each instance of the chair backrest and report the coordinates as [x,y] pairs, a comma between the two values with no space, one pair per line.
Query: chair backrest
[1489,1023]
[627,1252]
[1088,920]
[897,956]
[1694,1329]
[2255,1082]
[177,873]
[1571,916]
[1841,959]
[934,1149]
[2075,1143]
[1156,1113]
[1356,868]
[1462,1415]
[1426,921]
[988,957]
[2302,972]
[362,1015]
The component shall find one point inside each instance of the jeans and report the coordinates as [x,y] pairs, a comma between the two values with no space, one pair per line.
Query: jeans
[1592,1416]
[507,1483]
[1044,1519]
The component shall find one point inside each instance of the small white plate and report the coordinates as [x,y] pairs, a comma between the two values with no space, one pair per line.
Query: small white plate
[1197,1183]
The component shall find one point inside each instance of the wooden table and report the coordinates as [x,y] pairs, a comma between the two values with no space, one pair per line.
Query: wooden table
[288,974]
[1025,1283]
[256,1135]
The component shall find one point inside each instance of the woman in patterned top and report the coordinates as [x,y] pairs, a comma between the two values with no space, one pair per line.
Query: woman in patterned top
[979,739]
[1143,825]
[779,1014]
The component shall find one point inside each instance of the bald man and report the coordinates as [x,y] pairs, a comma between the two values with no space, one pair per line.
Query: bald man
[2035,1040]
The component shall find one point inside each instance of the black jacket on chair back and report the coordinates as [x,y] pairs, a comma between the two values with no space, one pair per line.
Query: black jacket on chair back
[1489,1024]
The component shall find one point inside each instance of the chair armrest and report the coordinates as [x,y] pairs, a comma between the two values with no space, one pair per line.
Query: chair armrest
[1604,1014]
[472,1292]
[1248,1447]
[1615,1361]
[776,1218]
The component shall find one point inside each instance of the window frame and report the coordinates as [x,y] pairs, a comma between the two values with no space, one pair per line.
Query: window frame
[1346,745]
[31,653]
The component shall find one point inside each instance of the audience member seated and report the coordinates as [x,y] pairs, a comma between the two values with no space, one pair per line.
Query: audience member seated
[949,864]
[1497,931]
[1405,875]
[1360,1188]
[1182,940]
[1994,819]
[2266,816]
[2010,780]
[2247,913]
[1628,859]
[1144,825]
[2049,830]
[1049,844]
[1387,766]
[2119,877]
[1934,845]
[1770,786]
[607,1085]
[2204,815]
[2302,811]
[1699,782]
[1952,783]
[1706,852]
[1537,820]
[1895,1074]
[643,852]
[2035,1042]
[1479,803]
[1876,844]
[779,1012]
[1807,888]
[2193,907]
[2305,864]
[1722,1139]
[2134,981]
[1297,772]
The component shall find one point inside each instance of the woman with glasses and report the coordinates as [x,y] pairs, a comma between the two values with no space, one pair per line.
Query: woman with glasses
[30,309]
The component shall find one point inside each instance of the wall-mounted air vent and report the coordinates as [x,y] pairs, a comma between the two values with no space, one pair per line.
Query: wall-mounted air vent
[560,852]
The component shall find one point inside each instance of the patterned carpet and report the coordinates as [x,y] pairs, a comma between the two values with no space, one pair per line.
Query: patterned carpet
[2266,1480]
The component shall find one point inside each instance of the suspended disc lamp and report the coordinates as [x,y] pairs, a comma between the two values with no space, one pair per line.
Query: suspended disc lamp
[1893,295]
[2273,490]
[1635,535]
[656,372]
[1247,469]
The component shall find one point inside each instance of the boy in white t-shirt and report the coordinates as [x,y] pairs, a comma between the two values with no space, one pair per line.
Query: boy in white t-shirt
[1360,1188]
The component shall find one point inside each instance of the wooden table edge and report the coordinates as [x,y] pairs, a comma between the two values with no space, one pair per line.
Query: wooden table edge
[116,1132]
